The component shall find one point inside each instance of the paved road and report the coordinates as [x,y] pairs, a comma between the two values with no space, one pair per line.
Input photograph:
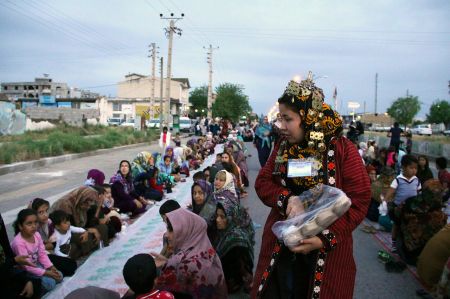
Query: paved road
[51,182]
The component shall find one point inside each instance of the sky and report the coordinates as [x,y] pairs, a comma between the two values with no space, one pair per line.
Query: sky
[93,44]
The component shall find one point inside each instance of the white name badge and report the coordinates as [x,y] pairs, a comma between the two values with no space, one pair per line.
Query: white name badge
[297,168]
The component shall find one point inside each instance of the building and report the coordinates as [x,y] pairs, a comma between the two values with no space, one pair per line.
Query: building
[137,90]
[43,87]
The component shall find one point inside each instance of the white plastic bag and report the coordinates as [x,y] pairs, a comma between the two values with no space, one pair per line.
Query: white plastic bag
[328,204]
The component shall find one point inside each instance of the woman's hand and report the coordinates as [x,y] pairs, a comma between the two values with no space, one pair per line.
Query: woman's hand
[23,260]
[295,207]
[160,260]
[138,204]
[307,245]
[27,291]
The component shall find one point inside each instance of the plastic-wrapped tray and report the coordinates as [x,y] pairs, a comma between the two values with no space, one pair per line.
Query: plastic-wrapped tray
[328,204]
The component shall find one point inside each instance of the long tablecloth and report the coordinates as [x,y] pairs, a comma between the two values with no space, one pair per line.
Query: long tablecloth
[104,267]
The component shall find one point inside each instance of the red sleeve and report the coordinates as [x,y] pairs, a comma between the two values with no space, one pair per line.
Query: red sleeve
[266,187]
[354,181]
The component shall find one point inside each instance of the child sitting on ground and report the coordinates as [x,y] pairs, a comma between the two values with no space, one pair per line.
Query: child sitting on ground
[28,242]
[140,273]
[63,233]
[404,186]
[46,229]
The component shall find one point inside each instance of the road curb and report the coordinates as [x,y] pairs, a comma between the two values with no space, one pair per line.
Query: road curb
[28,165]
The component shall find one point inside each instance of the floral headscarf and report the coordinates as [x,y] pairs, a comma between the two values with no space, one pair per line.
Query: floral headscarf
[321,125]
[141,163]
[229,183]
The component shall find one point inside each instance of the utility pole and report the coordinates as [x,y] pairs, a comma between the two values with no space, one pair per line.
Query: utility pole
[153,78]
[169,34]
[376,90]
[407,93]
[209,60]
[161,96]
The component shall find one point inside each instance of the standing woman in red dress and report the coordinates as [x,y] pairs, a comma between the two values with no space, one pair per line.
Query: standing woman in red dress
[323,265]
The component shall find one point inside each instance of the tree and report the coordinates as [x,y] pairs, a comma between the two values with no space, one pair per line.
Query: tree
[231,102]
[403,110]
[199,99]
[439,113]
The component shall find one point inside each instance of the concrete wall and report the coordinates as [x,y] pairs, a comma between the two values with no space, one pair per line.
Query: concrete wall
[431,149]
[73,117]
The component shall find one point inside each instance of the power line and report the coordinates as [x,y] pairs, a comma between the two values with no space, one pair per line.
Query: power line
[82,27]
[52,28]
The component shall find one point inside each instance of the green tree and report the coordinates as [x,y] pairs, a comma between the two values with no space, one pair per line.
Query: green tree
[231,102]
[439,113]
[403,110]
[199,99]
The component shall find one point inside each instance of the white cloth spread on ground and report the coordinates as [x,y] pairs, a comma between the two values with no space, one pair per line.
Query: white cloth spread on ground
[104,267]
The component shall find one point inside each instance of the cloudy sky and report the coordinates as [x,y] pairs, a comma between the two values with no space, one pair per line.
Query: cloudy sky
[262,45]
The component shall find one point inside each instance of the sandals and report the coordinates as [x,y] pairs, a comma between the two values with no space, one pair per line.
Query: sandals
[369,229]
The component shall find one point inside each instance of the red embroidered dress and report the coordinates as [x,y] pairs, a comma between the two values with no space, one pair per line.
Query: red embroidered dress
[333,269]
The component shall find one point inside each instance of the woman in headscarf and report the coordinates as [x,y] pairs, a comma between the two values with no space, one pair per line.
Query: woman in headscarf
[233,241]
[95,177]
[228,158]
[122,190]
[194,268]
[224,188]
[239,159]
[321,265]
[202,204]
[76,204]
[421,218]
[262,141]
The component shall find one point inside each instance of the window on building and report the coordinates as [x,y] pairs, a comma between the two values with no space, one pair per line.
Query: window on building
[5,87]
[16,87]
[117,107]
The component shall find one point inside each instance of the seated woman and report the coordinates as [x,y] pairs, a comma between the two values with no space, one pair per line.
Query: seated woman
[122,189]
[194,269]
[234,242]
[202,204]
[142,170]
[421,218]
[76,203]
[224,189]
[239,159]
[228,158]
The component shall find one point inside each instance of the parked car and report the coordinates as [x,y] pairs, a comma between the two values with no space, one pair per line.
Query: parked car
[186,124]
[153,123]
[422,130]
[115,121]
[128,123]
[446,132]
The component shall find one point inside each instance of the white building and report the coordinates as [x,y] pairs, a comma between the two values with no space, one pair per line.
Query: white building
[137,91]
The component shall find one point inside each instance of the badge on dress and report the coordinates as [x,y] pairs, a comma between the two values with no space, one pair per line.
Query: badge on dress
[299,168]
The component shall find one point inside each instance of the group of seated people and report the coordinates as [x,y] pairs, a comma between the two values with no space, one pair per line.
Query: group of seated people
[413,205]
[50,239]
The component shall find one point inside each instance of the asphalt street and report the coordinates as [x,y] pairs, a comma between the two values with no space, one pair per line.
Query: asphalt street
[51,182]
